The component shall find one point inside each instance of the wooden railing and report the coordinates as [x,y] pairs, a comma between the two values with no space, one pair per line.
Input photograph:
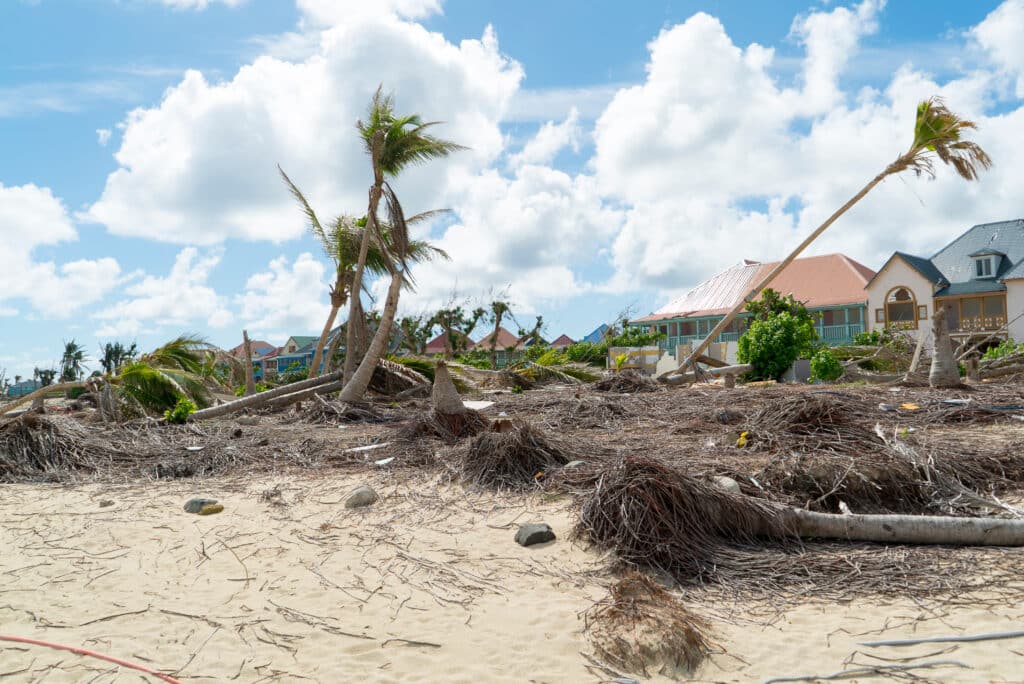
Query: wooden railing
[979,324]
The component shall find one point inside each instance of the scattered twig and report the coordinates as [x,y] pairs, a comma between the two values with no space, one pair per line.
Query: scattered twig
[947,640]
[876,669]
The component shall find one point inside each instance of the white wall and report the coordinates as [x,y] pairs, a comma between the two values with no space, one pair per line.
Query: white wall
[1015,307]
[898,273]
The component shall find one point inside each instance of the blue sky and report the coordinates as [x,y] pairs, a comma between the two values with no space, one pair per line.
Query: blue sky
[621,151]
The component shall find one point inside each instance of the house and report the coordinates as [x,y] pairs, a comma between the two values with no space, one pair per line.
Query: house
[978,279]
[23,388]
[507,347]
[561,342]
[259,348]
[831,286]
[296,354]
[597,335]
[440,343]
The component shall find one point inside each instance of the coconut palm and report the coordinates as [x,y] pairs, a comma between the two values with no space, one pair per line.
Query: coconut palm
[393,143]
[341,241]
[155,381]
[938,133]
[72,362]
[115,354]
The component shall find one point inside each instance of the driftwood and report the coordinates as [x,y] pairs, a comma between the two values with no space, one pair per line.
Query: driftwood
[992,636]
[40,394]
[682,378]
[263,398]
[907,529]
[870,669]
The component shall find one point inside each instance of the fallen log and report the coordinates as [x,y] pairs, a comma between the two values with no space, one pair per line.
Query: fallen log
[263,398]
[683,378]
[40,394]
[906,529]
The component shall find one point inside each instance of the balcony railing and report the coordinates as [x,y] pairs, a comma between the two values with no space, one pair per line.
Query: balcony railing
[978,324]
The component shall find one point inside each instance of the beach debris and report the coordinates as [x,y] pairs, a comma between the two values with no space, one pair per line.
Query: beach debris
[106,503]
[726,484]
[450,419]
[248,420]
[478,405]
[512,455]
[644,629]
[360,497]
[626,382]
[203,506]
[534,533]
[963,638]
[728,417]
[574,464]
[273,496]
[367,447]
[870,670]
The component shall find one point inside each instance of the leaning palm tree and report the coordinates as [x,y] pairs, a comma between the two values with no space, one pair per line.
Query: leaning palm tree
[938,132]
[155,381]
[393,143]
[342,241]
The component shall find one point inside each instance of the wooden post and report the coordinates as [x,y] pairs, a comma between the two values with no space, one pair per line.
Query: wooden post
[250,382]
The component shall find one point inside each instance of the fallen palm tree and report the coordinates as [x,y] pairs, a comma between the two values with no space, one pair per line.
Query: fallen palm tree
[512,455]
[642,628]
[656,516]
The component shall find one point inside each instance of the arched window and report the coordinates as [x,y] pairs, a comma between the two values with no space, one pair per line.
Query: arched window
[901,308]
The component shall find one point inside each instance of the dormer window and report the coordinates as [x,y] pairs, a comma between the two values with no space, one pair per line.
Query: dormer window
[983,267]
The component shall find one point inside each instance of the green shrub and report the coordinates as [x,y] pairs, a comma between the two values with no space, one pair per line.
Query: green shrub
[478,358]
[1004,348]
[76,392]
[181,411]
[771,346]
[587,352]
[825,366]
[260,387]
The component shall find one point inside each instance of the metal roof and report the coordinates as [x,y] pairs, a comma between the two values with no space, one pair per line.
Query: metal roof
[971,287]
[954,260]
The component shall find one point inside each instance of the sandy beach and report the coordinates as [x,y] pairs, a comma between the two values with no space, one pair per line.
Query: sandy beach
[426,585]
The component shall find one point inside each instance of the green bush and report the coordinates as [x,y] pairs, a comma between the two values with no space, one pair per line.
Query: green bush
[260,387]
[771,346]
[825,366]
[535,352]
[588,352]
[76,392]
[181,411]
[478,358]
[1004,348]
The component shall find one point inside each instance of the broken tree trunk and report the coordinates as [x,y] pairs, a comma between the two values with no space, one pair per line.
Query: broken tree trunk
[944,371]
[906,529]
[444,397]
[682,378]
[250,382]
[263,398]
[40,393]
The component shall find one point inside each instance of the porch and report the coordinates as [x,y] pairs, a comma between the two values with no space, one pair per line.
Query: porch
[967,316]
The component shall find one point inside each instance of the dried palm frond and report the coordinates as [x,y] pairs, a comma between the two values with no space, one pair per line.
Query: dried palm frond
[626,382]
[642,628]
[512,455]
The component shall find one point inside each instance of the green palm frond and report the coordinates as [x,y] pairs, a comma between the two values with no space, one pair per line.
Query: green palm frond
[158,389]
[182,353]
[938,132]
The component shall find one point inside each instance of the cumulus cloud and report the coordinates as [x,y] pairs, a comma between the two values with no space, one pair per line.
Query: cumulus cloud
[717,160]
[178,301]
[1000,35]
[31,217]
[551,139]
[286,298]
[199,4]
[199,168]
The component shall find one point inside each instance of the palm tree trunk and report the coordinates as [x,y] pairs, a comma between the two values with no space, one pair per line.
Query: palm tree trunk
[40,394]
[906,529]
[318,355]
[250,382]
[443,396]
[494,342]
[754,292]
[263,398]
[944,371]
[357,277]
[356,387]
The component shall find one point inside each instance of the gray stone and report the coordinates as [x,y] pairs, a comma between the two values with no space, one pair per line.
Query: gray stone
[726,484]
[362,496]
[196,505]
[534,533]
[106,503]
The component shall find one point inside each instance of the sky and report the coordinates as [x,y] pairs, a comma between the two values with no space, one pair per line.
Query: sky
[619,153]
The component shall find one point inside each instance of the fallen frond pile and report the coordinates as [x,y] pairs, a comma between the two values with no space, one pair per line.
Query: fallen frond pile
[512,455]
[626,382]
[324,412]
[448,427]
[656,516]
[642,628]
[34,445]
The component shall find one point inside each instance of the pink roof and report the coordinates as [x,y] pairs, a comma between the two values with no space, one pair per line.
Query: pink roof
[437,345]
[505,340]
[562,342]
[255,344]
[819,281]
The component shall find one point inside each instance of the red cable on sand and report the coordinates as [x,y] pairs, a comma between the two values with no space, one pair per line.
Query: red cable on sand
[93,654]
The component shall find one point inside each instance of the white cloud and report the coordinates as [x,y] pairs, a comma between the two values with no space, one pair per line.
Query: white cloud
[718,161]
[32,217]
[551,139]
[335,12]
[103,136]
[200,167]
[1000,35]
[287,299]
[199,4]
[179,301]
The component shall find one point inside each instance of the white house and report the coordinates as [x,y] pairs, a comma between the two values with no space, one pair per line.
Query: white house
[978,278]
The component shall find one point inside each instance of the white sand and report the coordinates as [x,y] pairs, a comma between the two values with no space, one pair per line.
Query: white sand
[426,586]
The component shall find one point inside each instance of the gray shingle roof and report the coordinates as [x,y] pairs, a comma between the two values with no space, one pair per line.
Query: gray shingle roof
[923,266]
[954,260]
[971,287]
